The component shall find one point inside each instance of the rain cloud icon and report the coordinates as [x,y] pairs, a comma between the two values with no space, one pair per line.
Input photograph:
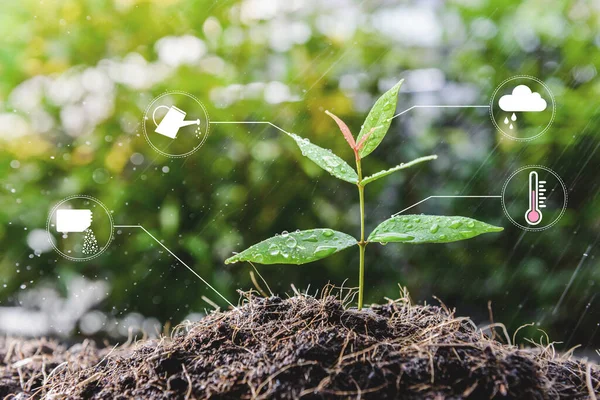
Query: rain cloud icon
[522,99]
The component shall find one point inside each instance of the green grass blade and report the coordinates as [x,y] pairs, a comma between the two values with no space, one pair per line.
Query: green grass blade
[429,229]
[386,172]
[326,159]
[379,117]
[299,247]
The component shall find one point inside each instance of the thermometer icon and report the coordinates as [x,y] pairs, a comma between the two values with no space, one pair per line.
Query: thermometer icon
[533,216]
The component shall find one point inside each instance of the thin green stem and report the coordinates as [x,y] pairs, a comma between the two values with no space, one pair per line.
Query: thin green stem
[361,244]
[361,276]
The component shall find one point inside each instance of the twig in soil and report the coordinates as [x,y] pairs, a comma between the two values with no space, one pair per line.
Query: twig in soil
[262,278]
[514,336]
[188,394]
[501,326]
[59,366]
[491,314]
[256,285]
[272,376]
[588,382]
[212,303]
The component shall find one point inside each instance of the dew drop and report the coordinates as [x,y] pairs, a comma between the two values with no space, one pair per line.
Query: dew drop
[434,228]
[455,224]
[311,238]
[328,233]
[396,237]
[284,234]
[291,242]
[331,161]
[273,250]
[471,224]
[259,258]
[324,251]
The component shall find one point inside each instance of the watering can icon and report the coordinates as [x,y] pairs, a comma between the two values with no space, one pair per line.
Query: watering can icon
[172,121]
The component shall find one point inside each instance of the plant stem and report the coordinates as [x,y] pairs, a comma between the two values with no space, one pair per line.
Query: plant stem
[361,244]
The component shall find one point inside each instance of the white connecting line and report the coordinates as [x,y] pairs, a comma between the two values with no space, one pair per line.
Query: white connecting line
[432,106]
[446,197]
[178,259]
[397,115]
[251,122]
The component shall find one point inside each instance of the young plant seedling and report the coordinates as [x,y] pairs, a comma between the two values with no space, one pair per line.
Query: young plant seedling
[302,247]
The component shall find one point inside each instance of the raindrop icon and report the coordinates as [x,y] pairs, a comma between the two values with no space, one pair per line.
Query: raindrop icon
[513,117]
[506,120]
[511,126]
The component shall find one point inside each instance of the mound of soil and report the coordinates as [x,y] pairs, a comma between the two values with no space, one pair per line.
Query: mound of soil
[305,347]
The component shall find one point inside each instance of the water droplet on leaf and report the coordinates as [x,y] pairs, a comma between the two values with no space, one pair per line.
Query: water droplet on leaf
[324,251]
[396,237]
[455,224]
[291,242]
[311,238]
[273,250]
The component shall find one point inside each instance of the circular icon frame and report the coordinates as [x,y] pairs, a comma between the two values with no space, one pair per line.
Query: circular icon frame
[146,118]
[99,252]
[498,126]
[529,228]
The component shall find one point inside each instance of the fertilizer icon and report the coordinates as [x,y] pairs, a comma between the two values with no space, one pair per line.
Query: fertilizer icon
[77,221]
[68,221]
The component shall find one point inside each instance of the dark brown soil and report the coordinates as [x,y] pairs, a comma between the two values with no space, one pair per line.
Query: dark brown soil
[302,347]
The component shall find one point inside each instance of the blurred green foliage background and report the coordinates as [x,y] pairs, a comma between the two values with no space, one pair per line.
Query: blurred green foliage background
[76,76]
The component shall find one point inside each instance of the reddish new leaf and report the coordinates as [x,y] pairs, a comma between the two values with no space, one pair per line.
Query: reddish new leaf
[345,130]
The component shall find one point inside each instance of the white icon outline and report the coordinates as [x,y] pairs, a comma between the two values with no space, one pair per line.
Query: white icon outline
[530,228]
[499,127]
[151,106]
[86,197]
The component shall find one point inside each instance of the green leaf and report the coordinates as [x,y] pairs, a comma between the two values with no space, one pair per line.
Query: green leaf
[379,117]
[429,229]
[326,159]
[386,172]
[299,247]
